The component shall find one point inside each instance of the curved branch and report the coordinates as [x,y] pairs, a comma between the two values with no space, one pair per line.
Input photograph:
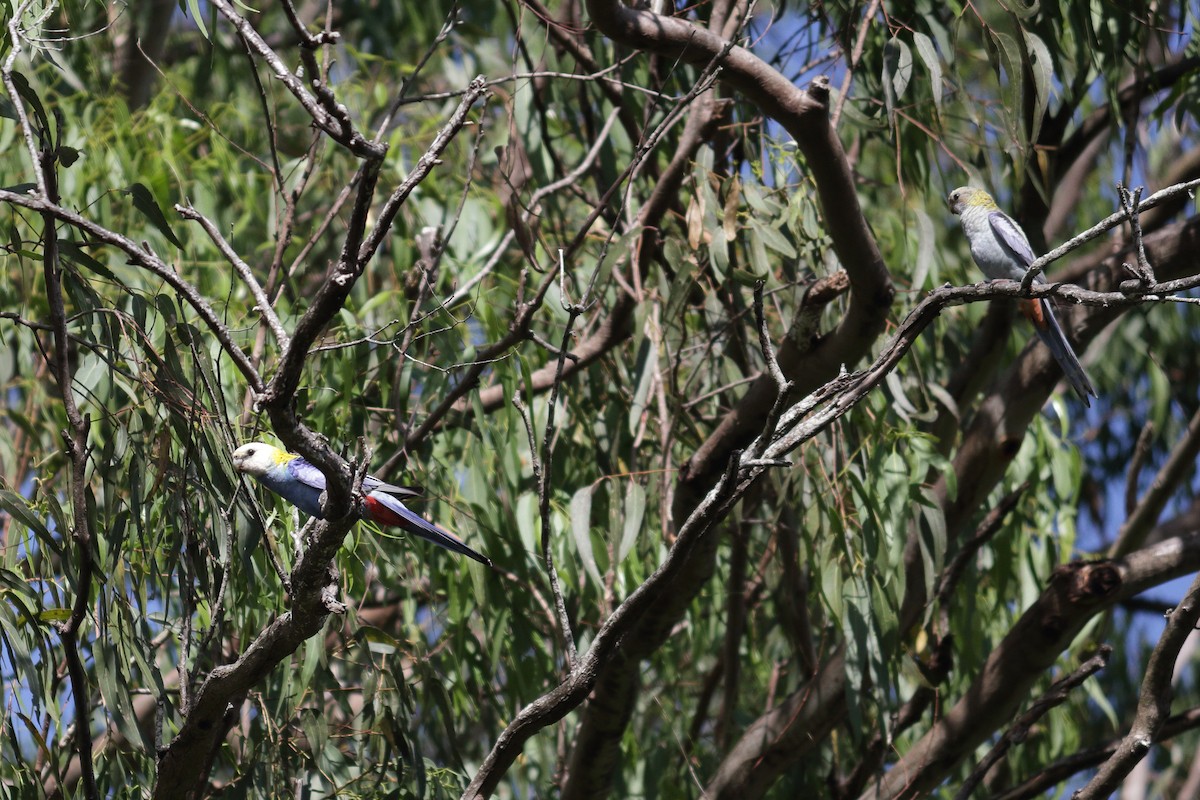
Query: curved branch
[1076,593]
[568,695]
[243,269]
[326,112]
[804,114]
[1154,700]
[147,260]
[1059,771]
[800,423]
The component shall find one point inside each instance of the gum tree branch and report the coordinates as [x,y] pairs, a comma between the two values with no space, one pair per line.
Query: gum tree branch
[1057,772]
[805,115]
[1178,466]
[1076,592]
[1104,226]
[568,695]
[243,270]
[425,164]
[1019,730]
[798,424]
[149,261]
[543,487]
[784,735]
[331,297]
[1154,701]
[75,441]
[329,115]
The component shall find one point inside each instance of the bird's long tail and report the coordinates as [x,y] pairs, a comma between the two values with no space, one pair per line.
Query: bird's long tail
[1049,331]
[387,510]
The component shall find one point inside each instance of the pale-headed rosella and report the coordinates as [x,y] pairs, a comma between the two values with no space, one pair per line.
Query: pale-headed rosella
[301,484]
[1002,251]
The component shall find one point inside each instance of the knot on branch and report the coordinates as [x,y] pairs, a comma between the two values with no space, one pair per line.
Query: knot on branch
[1074,588]
[1091,581]
[818,90]
[330,601]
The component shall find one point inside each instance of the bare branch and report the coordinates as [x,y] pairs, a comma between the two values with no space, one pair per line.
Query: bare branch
[1059,771]
[1154,701]
[1102,227]
[1019,730]
[243,269]
[1131,205]
[146,259]
[543,486]
[326,112]
[425,164]
[1141,451]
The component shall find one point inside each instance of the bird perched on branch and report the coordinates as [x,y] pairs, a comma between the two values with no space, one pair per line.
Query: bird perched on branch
[1002,251]
[302,484]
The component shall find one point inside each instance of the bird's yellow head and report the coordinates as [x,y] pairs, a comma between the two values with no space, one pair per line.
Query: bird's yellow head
[965,197]
[257,458]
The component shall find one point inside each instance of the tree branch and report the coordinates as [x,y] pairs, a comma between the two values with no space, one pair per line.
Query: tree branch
[1059,771]
[1154,701]
[1019,730]
[1178,466]
[329,115]
[243,270]
[1076,592]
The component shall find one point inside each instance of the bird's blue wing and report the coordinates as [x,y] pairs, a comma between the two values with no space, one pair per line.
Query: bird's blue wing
[1011,238]
[306,473]
[372,484]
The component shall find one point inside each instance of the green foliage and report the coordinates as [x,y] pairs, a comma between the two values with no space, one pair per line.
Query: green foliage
[405,695]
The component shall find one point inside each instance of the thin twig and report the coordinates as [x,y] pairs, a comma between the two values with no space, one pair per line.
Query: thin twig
[328,115]
[31,145]
[532,207]
[855,57]
[1019,730]
[988,528]
[1154,700]
[243,270]
[1099,229]
[1131,205]
[1178,466]
[1141,451]
[783,386]
[1058,771]
[425,164]
[539,477]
